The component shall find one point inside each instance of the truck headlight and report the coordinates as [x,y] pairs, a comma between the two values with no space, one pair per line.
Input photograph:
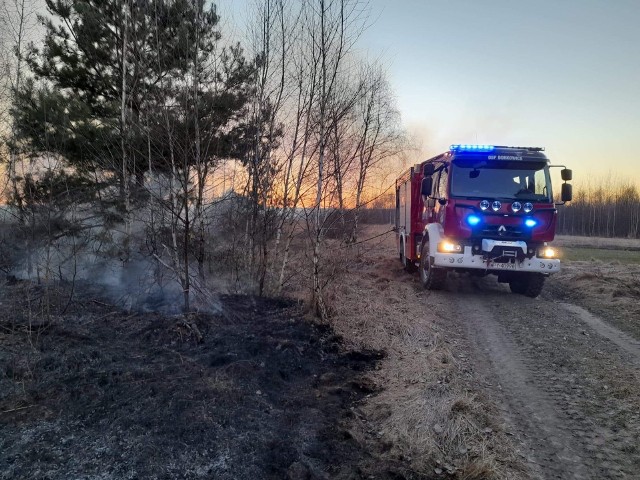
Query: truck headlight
[449,247]
[547,252]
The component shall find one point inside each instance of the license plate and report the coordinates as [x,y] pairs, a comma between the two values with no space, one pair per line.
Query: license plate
[502,266]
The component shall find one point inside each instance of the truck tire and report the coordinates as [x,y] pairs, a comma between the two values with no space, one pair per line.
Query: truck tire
[432,278]
[529,284]
[408,265]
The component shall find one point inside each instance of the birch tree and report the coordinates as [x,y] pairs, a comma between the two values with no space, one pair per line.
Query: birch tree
[17,28]
[333,26]
[380,134]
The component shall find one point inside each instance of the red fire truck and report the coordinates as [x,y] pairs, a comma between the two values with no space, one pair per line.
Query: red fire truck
[481,209]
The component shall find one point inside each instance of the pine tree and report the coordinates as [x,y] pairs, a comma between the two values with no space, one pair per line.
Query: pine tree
[123,87]
[108,75]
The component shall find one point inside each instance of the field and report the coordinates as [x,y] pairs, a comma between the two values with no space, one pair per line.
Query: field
[602,275]
[598,242]
[593,254]
[599,250]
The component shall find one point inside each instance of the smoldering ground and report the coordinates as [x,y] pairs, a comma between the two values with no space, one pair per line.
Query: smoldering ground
[258,392]
[128,273]
[139,284]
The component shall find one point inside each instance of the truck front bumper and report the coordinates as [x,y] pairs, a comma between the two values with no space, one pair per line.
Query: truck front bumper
[467,260]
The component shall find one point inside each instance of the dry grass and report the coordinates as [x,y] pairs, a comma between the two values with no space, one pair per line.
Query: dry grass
[597,242]
[606,255]
[427,410]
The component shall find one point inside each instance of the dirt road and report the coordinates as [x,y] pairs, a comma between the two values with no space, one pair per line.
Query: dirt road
[482,383]
[566,382]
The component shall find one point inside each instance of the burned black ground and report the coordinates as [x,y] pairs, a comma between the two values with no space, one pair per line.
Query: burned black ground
[255,391]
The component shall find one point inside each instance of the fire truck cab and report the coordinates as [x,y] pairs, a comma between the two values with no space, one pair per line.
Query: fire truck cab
[482,209]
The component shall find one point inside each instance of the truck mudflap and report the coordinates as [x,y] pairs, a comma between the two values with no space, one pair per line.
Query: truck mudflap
[469,261]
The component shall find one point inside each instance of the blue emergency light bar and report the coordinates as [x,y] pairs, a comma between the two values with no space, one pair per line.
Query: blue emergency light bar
[471,148]
[489,148]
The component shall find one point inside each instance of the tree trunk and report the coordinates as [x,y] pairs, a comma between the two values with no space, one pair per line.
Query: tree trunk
[123,119]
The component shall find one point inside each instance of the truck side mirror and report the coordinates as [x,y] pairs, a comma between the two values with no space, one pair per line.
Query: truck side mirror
[567,174]
[566,191]
[427,186]
[429,169]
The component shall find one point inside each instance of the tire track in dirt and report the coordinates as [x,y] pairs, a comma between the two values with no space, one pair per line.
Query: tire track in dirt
[621,339]
[551,452]
[570,393]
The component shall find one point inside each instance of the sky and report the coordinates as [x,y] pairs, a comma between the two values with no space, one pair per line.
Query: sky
[560,74]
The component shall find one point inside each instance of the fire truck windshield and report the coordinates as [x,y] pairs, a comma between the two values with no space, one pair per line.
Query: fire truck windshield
[508,180]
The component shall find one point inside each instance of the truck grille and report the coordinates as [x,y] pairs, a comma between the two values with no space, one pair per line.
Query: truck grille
[505,232]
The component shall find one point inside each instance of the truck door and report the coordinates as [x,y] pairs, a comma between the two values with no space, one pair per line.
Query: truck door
[434,211]
[441,194]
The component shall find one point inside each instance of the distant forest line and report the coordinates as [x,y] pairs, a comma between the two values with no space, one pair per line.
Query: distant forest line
[609,209]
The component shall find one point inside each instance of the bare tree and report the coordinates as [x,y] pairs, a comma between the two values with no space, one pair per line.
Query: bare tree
[380,135]
[17,27]
[298,146]
[333,26]
[124,183]
[271,44]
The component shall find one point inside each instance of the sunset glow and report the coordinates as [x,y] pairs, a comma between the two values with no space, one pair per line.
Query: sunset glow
[562,75]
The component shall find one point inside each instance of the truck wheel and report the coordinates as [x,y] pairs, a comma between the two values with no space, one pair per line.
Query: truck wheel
[529,284]
[408,265]
[518,285]
[432,278]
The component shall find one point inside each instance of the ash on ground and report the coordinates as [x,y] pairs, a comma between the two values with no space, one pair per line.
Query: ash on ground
[256,391]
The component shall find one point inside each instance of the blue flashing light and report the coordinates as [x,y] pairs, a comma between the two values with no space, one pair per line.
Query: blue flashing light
[473,220]
[530,222]
[471,148]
